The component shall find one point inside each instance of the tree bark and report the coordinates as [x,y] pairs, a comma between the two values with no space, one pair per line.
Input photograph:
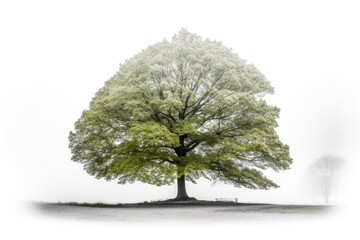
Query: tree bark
[181,189]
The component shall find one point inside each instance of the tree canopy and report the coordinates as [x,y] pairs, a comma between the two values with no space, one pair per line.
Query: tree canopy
[185,108]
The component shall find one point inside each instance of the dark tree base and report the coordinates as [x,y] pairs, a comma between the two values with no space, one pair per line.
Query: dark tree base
[177,199]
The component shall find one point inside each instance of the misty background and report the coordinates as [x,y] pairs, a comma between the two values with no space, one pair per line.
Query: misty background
[56,55]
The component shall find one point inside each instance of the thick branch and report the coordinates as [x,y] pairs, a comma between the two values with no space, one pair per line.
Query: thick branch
[192,145]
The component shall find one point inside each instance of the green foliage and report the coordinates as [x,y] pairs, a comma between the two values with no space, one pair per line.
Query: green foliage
[187,106]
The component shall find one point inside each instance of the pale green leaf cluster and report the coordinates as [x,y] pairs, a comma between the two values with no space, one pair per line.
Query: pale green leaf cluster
[182,107]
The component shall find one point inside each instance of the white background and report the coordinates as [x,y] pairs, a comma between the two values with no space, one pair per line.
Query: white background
[54,56]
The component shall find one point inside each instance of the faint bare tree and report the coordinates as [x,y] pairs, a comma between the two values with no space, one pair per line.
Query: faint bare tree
[325,171]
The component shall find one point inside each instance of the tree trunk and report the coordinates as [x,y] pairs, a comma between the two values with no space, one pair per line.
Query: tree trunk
[326,196]
[181,190]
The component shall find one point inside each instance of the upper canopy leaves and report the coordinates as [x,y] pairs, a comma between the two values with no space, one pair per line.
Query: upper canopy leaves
[183,106]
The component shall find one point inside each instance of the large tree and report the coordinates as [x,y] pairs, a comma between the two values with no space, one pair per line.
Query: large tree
[181,110]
